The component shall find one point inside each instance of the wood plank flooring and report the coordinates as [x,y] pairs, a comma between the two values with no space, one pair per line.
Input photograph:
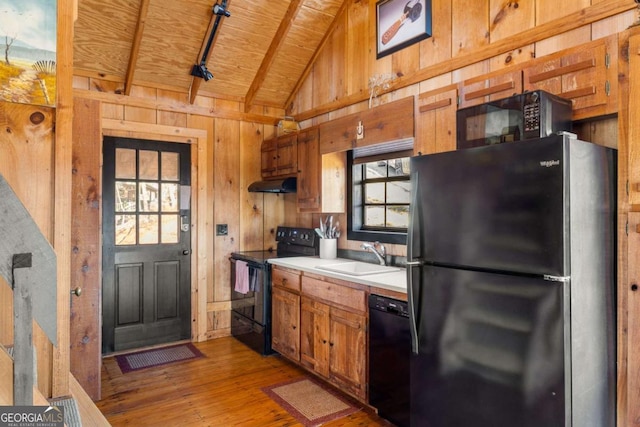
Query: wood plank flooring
[221,389]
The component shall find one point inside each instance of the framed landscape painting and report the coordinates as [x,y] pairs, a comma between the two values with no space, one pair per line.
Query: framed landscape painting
[400,23]
[28,51]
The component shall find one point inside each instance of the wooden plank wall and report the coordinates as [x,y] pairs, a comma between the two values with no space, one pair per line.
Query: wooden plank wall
[233,162]
[27,163]
[465,32]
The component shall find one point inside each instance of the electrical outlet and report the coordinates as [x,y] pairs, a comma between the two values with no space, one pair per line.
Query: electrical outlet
[222,229]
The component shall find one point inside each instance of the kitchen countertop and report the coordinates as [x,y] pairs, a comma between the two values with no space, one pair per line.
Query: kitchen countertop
[394,281]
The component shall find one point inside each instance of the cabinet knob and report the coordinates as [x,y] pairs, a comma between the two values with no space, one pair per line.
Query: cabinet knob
[634,287]
[293,326]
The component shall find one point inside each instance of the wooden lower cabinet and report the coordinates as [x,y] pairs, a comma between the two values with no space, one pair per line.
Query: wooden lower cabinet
[348,351]
[314,336]
[331,340]
[285,322]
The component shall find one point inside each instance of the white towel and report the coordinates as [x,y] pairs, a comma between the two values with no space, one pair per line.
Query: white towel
[242,277]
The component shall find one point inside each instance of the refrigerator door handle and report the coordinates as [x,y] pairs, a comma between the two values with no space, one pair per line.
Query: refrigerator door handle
[414,227]
[410,299]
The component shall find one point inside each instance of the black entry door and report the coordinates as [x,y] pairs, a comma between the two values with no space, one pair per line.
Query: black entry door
[146,243]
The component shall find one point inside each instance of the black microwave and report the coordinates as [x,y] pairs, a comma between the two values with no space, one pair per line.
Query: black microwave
[527,115]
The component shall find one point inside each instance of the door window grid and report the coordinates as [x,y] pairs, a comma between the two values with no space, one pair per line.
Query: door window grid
[147,209]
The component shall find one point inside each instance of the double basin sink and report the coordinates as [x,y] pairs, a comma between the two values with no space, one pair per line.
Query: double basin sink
[357,268]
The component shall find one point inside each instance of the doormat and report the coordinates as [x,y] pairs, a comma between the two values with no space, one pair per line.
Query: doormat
[157,357]
[309,402]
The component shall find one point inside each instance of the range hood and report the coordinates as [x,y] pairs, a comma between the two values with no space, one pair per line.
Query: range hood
[284,185]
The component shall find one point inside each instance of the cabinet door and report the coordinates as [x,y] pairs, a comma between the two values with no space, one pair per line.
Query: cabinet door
[285,323]
[496,85]
[309,171]
[287,156]
[347,351]
[269,158]
[586,74]
[436,124]
[314,336]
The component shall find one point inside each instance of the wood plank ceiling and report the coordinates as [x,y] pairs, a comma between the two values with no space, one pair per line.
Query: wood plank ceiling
[259,55]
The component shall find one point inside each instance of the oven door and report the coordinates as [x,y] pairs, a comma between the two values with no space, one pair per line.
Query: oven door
[251,311]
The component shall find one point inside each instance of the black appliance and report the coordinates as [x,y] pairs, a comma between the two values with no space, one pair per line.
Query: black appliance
[535,114]
[389,349]
[251,311]
[511,283]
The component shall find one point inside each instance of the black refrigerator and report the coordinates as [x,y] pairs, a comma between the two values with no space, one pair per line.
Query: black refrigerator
[511,285]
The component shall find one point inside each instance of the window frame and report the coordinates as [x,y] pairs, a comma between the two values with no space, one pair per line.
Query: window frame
[355,206]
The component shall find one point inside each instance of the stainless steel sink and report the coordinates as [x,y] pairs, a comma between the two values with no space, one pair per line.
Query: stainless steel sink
[357,268]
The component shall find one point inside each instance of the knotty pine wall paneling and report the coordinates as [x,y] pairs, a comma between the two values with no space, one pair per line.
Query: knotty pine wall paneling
[172,118]
[227,205]
[204,317]
[437,48]
[138,114]
[27,163]
[469,25]
[86,222]
[359,45]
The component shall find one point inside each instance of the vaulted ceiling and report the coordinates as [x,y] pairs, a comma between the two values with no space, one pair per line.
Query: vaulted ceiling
[259,54]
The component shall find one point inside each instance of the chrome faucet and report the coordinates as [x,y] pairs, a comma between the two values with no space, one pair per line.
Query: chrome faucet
[378,250]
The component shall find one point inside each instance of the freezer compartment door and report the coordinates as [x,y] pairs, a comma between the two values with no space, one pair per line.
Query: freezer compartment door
[491,350]
[499,207]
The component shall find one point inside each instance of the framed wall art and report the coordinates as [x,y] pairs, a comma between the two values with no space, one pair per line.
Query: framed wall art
[401,23]
[28,51]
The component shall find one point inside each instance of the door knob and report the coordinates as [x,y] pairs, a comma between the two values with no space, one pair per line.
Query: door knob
[186,252]
[77,291]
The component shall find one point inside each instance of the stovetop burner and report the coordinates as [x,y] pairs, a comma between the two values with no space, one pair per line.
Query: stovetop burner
[291,241]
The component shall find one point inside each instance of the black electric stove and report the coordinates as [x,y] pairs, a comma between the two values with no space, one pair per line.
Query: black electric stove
[251,294]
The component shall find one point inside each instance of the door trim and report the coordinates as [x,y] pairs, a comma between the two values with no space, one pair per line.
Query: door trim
[198,140]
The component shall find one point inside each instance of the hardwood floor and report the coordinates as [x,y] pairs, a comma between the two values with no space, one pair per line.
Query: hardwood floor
[221,389]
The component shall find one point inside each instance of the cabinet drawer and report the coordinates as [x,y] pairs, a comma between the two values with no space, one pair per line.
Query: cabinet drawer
[285,279]
[336,294]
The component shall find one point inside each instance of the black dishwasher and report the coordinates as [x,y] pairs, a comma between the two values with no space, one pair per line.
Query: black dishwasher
[389,352]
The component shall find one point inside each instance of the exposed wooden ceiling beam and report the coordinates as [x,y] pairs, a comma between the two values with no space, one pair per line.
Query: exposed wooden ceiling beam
[135,47]
[278,39]
[197,81]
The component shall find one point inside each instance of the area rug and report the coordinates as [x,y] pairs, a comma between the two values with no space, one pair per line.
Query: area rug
[157,357]
[309,402]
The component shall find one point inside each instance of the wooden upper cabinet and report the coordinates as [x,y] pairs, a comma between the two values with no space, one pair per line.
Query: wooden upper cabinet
[436,121]
[389,122]
[489,87]
[309,190]
[280,156]
[586,74]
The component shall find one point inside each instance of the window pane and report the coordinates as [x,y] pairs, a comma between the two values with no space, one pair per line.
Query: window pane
[374,216]
[377,169]
[169,233]
[398,167]
[125,196]
[125,230]
[169,197]
[374,192]
[397,216]
[125,163]
[148,229]
[148,164]
[170,165]
[399,192]
[148,197]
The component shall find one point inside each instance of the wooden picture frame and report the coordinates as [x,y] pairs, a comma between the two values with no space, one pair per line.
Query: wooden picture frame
[401,23]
